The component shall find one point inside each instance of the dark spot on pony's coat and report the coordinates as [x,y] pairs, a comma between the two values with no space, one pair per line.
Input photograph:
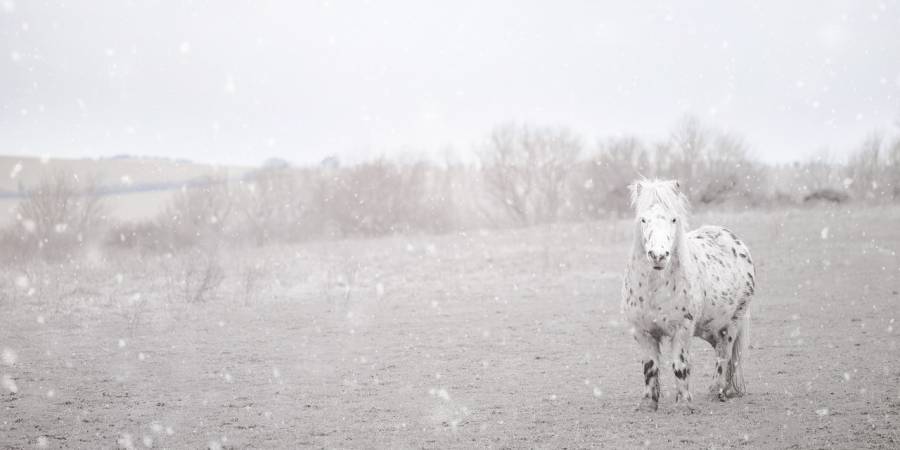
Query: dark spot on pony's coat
[733,251]
[681,374]
[641,299]
[650,372]
[719,369]
[743,255]
[681,357]
[631,291]
[730,338]
[689,316]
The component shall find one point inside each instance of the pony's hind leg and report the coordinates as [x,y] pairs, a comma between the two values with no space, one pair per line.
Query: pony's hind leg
[735,386]
[650,363]
[724,345]
[681,365]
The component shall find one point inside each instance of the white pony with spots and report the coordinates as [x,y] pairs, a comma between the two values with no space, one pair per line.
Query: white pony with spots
[681,284]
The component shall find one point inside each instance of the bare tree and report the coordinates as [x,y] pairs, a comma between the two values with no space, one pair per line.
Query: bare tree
[603,186]
[689,143]
[526,170]
[870,169]
[727,172]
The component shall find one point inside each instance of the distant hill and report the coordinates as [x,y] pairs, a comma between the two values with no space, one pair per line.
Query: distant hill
[135,187]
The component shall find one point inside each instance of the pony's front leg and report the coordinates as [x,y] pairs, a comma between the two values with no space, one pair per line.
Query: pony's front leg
[650,362]
[681,363]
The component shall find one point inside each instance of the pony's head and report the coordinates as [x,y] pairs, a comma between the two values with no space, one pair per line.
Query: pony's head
[661,215]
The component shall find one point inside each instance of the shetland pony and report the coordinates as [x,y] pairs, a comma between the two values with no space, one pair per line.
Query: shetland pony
[681,284]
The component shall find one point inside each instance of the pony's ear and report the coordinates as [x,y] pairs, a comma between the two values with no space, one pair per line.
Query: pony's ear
[636,187]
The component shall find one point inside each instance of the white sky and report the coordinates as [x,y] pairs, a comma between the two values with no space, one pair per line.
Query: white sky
[241,81]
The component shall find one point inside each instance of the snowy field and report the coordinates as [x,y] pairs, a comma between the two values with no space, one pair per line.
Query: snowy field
[485,339]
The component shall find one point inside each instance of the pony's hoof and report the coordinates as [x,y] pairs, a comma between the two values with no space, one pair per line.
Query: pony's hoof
[687,408]
[717,395]
[648,405]
[733,393]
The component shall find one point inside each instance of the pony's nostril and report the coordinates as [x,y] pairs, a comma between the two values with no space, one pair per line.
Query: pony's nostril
[667,254]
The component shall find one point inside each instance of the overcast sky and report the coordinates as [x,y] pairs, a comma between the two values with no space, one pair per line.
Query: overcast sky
[241,81]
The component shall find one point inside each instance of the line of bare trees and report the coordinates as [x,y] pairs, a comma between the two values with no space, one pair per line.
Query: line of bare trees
[525,175]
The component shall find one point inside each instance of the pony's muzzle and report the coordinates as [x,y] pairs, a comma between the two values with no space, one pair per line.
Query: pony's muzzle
[658,259]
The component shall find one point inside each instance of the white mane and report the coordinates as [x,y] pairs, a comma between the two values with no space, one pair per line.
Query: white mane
[648,192]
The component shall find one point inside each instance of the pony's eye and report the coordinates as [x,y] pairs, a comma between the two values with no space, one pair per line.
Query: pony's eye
[643,220]
[673,220]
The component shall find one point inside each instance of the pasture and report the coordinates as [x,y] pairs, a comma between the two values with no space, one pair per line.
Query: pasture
[494,339]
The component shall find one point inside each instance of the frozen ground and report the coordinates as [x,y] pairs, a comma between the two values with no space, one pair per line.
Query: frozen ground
[499,339]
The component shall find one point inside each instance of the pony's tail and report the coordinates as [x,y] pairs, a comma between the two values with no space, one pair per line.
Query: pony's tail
[736,364]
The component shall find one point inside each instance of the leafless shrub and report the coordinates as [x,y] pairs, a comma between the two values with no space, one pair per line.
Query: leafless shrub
[730,174]
[819,173]
[193,276]
[142,236]
[826,195]
[251,274]
[198,213]
[375,198]
[341,275]
[133,308]
[526,171]
[56,217]
[270,204]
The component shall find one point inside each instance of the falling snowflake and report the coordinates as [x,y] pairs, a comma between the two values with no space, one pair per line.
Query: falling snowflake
[126,441]
[9,356]
[22,281]
[9,384]
[15,171]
